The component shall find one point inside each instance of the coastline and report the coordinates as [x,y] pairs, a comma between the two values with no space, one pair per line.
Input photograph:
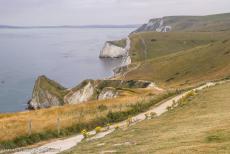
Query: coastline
[60,58]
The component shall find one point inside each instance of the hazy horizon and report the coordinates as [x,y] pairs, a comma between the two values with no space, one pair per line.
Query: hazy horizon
[101,12]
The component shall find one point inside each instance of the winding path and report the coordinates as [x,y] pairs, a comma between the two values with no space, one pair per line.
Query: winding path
[65,144]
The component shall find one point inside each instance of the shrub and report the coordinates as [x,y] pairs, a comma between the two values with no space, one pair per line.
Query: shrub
[188,97]
[98,129]
[85,133]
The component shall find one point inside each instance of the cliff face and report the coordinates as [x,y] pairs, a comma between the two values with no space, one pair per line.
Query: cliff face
[112,51]
[108,93]
[48,93]
[117,49]
[82,93]
[157,25]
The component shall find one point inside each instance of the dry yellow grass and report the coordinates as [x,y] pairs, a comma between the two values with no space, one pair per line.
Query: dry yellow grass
[17,124]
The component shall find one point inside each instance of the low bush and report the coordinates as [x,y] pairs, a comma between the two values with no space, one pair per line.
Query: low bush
[98,129]
[85,133]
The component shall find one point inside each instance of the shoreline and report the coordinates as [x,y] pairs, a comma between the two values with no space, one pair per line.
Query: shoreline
[15,99]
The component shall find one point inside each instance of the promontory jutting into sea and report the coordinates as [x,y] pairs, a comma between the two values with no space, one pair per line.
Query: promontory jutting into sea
[66,55]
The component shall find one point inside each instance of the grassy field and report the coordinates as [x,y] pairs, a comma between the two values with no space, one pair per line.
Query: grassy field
[73,118]
[201,125]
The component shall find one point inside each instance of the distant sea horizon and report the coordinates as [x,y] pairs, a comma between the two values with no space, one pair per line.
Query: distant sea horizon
[69,26]
[66,55]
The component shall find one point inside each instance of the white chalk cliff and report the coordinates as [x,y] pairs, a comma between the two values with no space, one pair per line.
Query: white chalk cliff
[82,95]
[108,93]
[112,51]
[126,58]
[48,93]
[157,25]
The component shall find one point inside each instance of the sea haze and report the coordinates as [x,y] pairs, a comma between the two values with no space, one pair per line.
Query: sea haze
[65,55]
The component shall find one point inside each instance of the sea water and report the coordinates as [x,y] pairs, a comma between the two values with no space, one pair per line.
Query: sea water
[65,55]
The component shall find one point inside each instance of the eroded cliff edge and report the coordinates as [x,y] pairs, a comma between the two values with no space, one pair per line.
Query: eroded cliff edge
[48,93]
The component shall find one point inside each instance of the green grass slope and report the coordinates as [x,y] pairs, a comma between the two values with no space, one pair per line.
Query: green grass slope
[148,45]
[201,125]
[201,63]
[217,22]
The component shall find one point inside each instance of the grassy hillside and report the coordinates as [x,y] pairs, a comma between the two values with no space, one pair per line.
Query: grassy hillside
[148,45]
[207,62]
[179,59]
[200,126]
[218,22]
[172,60]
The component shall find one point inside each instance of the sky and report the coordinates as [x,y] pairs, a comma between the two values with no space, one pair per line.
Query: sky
[87,12]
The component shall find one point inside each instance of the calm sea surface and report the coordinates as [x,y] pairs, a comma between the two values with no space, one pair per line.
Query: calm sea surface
[65,55]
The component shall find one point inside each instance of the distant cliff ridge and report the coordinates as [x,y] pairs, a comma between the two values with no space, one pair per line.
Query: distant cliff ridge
[48,93]
[218,22]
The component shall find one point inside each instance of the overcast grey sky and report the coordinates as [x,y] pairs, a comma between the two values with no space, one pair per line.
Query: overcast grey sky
[81,12]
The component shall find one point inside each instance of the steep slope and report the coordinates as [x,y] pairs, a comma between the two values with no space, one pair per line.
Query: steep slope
[46,93]
[218,22]
[199,125]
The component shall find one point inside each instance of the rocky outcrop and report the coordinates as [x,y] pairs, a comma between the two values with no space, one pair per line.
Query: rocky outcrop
[112,51]
[157,25]
[48,93]
[82,93]
[108,93]
[126,58]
